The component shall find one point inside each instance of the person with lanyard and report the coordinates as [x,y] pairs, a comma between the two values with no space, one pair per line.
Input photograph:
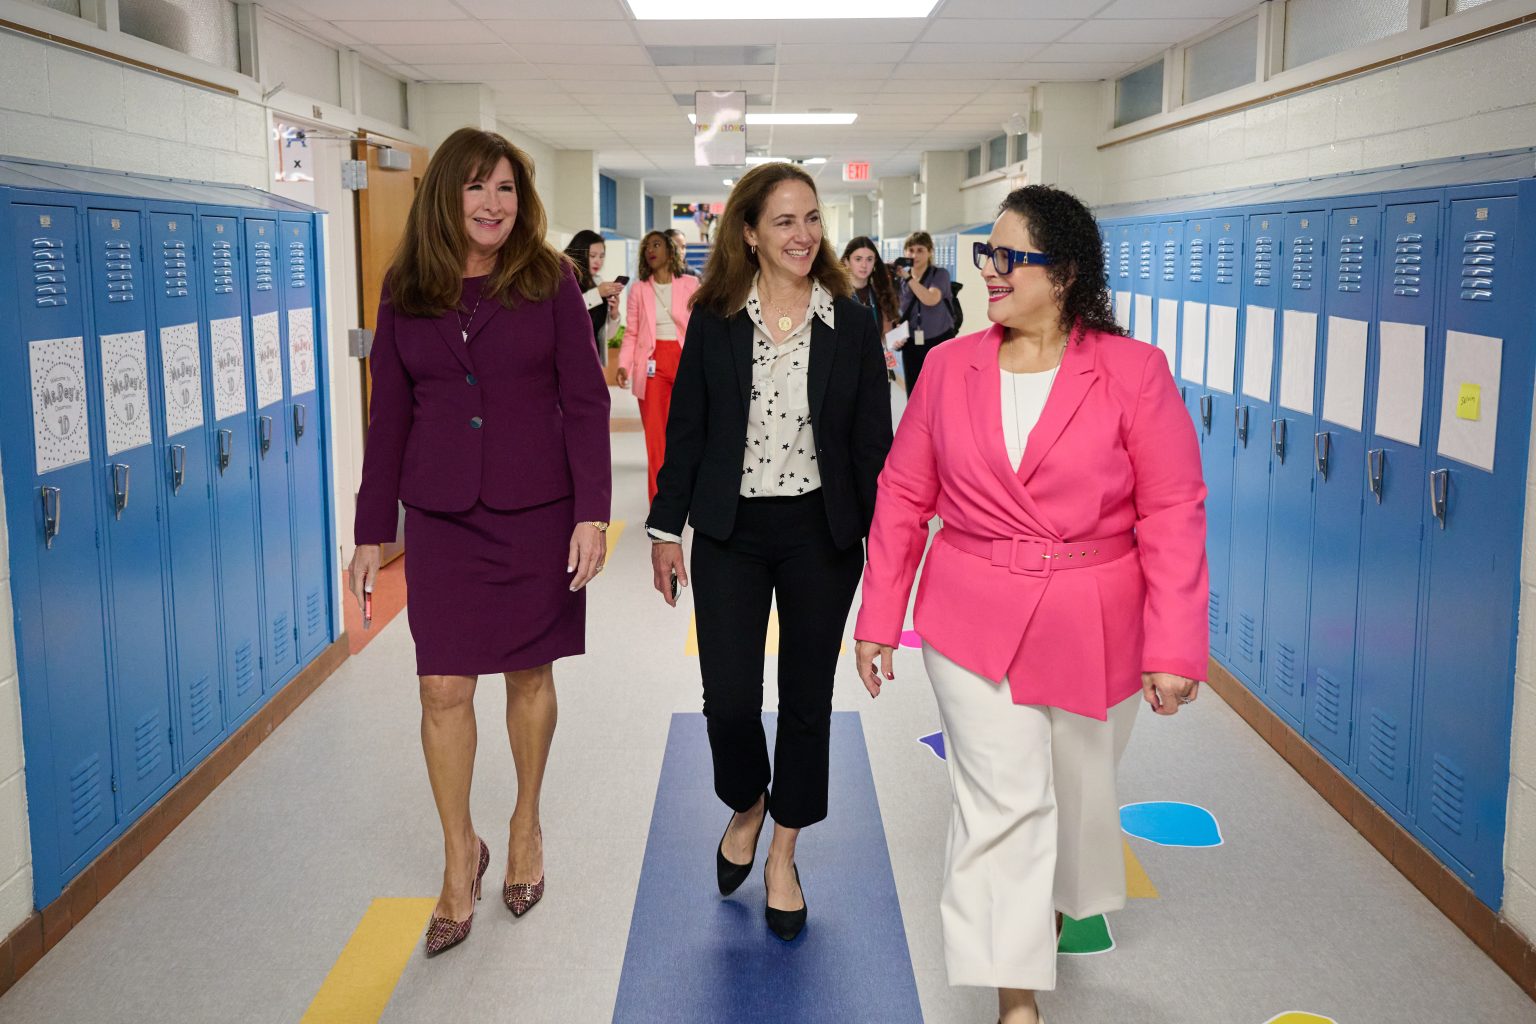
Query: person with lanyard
[1067,587]
[657,322]
[587,252]
[873,289]
[925,299]
[781,420]
[489,421]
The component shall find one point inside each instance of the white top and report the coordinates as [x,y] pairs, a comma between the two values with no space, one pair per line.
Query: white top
[666,329]
[780,459]
[1024,396]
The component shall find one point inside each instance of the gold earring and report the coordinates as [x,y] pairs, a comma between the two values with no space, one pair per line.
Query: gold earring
[753,248]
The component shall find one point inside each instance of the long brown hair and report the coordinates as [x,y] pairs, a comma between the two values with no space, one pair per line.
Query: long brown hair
[732,265]
[674,258]
[426,277]
[879,276]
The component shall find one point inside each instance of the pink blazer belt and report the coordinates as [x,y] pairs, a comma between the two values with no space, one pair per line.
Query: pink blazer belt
[1037,556]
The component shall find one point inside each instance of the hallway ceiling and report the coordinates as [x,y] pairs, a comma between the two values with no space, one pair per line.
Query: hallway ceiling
[581,74]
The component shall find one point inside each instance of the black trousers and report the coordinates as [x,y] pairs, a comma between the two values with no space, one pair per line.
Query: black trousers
[913,354]
[780,548]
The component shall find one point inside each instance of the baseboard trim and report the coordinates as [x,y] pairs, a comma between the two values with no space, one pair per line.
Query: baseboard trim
[24,947]
[1512,951]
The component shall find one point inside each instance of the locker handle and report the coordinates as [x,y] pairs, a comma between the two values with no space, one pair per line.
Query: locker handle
[264,425]
[1205,412]
[121,477]
[1376,466]
[1277,438]
[1439,492]
[300,416]
[1241,417]
[226,446]
[1322,449]
[178,467]
[53,510]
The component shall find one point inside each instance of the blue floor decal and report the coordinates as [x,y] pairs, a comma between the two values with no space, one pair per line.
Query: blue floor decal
[1167,823]
[695,958]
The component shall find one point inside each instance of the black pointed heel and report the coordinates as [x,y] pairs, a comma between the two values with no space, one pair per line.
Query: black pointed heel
[786,924]
[728,874]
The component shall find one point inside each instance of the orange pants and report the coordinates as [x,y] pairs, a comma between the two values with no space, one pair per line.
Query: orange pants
[655,406]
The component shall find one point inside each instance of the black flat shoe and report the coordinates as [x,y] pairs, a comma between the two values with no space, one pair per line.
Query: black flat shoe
[786,924]
[728,874]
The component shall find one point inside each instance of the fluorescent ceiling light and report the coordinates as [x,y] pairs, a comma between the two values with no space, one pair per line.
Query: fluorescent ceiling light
[714,10]
[753,161]
[796,119]
[727,182]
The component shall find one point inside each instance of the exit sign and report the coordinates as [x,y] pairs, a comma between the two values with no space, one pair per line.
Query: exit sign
[856,172]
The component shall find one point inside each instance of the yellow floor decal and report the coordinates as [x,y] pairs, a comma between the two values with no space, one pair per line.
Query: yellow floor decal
[772,647]
[365,975]
[615,531]
[1138,886]
[1300,1017]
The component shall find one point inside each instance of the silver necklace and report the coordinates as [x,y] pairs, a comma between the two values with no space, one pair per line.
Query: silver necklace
[464,325]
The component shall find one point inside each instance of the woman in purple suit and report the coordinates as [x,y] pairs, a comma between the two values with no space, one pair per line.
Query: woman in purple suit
[489,421]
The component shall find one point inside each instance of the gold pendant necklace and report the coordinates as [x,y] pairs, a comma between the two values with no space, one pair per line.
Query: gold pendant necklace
[785,323]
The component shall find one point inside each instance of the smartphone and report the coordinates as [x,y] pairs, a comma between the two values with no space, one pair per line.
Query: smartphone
[903,261]
[368,608]
[674,586]
[621,279]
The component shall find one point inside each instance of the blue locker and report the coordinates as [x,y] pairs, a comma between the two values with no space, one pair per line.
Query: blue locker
[1251,472]
[56,564]
[1123,275]
[1143,321]
[1392,524]
[186,478]
[234,473]
[1218,417]
[302,332]
[1194,295]
[137,595]
[1167,290]
[1476,489]
[1338,467]
[1288,563]
[266,356]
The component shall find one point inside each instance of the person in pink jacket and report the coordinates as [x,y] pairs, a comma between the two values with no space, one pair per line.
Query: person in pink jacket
[659,307]
[1068,584]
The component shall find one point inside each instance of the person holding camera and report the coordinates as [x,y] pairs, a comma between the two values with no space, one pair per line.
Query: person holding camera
[925,300]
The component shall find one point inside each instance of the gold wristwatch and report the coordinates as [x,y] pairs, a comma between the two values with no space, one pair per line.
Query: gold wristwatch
[602,527]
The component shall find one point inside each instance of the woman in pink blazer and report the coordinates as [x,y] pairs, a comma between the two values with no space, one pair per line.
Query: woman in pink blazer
[1068,580]
[653,342]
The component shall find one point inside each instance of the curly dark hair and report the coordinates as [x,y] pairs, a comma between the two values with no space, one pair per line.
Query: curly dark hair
[1064,230]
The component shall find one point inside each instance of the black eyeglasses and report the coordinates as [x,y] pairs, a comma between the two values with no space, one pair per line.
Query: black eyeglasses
[1005,259]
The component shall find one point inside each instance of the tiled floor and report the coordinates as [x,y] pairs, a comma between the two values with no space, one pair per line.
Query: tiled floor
[240,914]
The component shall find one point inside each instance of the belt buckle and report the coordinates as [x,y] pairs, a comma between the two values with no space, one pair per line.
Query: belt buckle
[1033,561]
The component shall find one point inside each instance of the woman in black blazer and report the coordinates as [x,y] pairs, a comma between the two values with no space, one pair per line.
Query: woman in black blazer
[779,427]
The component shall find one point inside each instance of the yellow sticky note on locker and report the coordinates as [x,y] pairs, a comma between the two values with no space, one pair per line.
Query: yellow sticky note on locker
[1469,402]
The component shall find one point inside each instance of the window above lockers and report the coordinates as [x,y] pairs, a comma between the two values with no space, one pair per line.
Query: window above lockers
[71,7]
[1315,29]
[1139,94]
[301,62]
[1457,6]
[1222,61]
[382,95]
[607,203]
[973,162]
[204,30]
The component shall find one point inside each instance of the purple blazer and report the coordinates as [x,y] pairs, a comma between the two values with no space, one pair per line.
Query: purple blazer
[515,418]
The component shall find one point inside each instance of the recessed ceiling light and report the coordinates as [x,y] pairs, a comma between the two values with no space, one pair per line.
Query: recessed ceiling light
[727,182]
[795,119]
[713,10]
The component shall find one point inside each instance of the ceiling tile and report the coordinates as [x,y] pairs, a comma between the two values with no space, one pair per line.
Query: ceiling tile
[936,53]
[463,53]
[1085,52]
[995,30]
[852,30]
[367,10]
[833,72]
[841,53]
[543,10]
[502,71]
[588,33]
[1176,8]
[1016,9]
[631,56]
[463,30]
[1142,30]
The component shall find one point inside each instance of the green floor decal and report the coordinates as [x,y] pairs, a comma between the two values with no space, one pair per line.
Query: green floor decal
[1081,938]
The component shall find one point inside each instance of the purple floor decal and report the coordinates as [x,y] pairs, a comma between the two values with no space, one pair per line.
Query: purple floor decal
[934,741]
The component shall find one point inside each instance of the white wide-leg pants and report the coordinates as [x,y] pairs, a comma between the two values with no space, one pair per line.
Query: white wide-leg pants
[1034,828]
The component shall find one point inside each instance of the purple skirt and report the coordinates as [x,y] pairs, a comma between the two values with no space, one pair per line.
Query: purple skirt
[487,591]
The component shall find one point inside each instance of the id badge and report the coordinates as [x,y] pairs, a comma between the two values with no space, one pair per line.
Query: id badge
[917,336]
[650,367]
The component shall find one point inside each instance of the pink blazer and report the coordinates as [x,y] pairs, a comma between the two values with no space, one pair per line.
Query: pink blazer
[640,332]
[1114,451]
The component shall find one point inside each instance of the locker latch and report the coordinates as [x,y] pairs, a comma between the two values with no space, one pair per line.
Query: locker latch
[1322,448]
[52,510]
[1439,493]
[1205,412]
[1241,417]
[226,448]
[300,415]
[1277,438]
[1376,469]
[121,476]
[264,428]
[178,467]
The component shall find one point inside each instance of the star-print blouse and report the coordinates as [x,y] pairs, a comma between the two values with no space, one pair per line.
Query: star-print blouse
[780,459]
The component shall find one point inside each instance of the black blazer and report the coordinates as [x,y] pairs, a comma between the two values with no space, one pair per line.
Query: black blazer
[700,481]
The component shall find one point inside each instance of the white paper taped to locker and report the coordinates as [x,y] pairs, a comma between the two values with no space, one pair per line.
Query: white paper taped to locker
[1221,342]
[228,367]
[183,372]
[1123,308]
[1168,329]
[266,341]
[125,390]
[1400,383]
[1259,352]
[1344,372]
[1192,359]
[60,423]
[1142,330]
[1298,360]
[1469,399]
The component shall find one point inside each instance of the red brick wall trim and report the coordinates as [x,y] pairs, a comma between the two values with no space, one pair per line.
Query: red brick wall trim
[1512,951]
[25,946]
